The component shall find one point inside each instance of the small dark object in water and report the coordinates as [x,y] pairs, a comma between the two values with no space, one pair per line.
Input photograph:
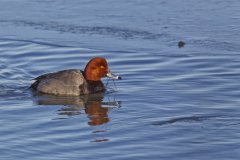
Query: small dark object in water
[181,44]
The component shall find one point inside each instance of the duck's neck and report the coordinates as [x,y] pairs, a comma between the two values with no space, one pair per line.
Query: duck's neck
[95,86]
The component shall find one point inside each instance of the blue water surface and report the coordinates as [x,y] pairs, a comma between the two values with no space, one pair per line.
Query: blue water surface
[173,103]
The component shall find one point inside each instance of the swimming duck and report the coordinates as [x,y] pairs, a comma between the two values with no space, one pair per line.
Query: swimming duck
[75,82]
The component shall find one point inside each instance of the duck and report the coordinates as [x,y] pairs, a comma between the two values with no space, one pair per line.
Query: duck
[75,82]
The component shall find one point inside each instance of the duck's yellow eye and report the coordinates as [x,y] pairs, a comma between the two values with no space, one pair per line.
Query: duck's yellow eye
[102,67]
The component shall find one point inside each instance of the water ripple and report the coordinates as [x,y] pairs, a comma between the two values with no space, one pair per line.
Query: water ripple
[123,33]
[191,119]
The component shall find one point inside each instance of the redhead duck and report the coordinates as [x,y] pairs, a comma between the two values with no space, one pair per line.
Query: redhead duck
[74,82]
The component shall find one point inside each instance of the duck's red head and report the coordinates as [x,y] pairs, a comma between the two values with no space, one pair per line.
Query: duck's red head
[97,68]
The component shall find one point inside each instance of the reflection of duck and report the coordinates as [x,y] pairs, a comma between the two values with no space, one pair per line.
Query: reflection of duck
[96,113]
[74,81]
[91,104]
